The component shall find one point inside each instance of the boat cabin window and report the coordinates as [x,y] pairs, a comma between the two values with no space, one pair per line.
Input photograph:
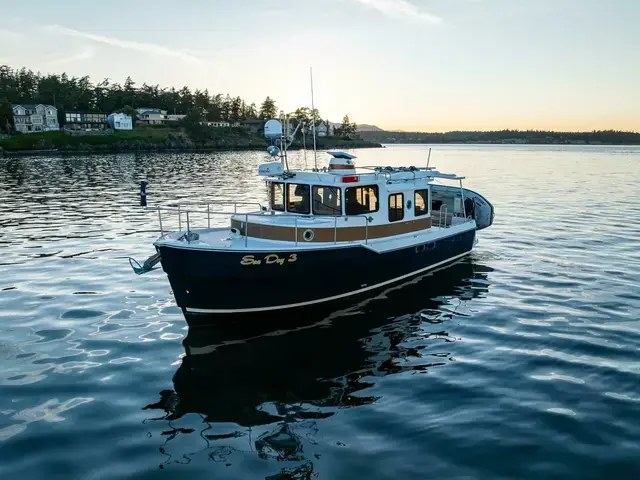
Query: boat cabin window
[277,196]
[361,200]
[326,201]
[396,207]
[298,198]
[420,202]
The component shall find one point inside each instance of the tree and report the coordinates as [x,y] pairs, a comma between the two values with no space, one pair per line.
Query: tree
[346,129]
[191,124]
[103,100]
[305,115]
[130,93]
[186,100]
[225,108]
[268,109]
[6,116]
[214,113]
[201,100]
[193,117]
[236,109]
[251,111]
[302,114]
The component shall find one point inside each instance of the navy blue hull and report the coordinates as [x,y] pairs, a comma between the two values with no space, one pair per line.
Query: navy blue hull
[233,282]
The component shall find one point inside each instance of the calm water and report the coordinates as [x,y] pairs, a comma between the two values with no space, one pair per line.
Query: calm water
[521,362]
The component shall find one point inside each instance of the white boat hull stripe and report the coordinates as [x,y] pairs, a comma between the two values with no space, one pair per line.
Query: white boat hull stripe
[327,299]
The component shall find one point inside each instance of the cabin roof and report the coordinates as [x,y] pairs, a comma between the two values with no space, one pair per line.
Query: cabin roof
[400,177]
[338,154]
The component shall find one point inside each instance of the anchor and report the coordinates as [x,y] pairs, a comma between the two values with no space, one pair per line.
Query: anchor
[147,266]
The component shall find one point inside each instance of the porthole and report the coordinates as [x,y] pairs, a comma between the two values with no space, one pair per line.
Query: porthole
[308,235]
[409,204]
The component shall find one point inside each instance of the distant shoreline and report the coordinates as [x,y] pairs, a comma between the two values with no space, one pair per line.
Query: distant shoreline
[12,153]
[505,137]
[57,152]
[146,140]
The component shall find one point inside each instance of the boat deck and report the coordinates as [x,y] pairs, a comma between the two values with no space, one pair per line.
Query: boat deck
[222,239]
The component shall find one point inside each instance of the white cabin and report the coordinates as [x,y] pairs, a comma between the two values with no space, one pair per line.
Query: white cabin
[340,204]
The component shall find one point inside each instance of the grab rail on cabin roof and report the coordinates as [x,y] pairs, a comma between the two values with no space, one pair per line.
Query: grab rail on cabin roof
[177,208]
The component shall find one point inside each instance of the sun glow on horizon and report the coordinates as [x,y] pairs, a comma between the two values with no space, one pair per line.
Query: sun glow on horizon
[401,64]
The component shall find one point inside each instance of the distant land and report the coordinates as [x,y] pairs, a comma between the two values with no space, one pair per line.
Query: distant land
[521,137]
[158,138]
[363,127]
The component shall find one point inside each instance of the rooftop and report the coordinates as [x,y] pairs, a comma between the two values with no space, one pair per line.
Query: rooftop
[32,105]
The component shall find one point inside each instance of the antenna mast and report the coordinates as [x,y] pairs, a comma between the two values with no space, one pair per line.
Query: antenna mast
[283,138]
[304,145]
[313,111]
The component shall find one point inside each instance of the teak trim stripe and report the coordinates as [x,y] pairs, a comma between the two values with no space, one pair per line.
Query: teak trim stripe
[342,234]
[342,167]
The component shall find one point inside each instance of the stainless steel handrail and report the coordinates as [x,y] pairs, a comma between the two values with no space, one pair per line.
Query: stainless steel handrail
[211,202]
[246,229]
[180,211]
[446,212]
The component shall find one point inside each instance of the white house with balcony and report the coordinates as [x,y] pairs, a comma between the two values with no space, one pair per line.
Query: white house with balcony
[120,121]
[30,118]
[151,116]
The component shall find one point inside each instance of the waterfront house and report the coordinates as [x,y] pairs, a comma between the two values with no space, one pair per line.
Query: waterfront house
[322,129]
[219,124]
[29,118]
[85,121]
[151,116]
[120,121]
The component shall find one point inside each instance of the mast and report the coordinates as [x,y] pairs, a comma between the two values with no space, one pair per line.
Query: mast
[313,110]
[304,146]
[284,139]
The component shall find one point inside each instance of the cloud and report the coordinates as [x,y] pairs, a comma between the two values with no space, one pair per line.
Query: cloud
[10,35]
[126,44]
[402,10]
[87,53]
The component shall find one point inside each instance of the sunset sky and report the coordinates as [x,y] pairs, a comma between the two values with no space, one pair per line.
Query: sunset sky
[427,65]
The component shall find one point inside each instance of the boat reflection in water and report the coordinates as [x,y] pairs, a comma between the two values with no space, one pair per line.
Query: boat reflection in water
[288,379]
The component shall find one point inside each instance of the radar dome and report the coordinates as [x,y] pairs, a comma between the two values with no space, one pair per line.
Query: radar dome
[273,129]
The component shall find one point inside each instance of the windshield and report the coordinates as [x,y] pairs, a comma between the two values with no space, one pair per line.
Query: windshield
[298,198]
[326,201]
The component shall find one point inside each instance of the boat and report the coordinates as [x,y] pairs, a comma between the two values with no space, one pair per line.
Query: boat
[326,235]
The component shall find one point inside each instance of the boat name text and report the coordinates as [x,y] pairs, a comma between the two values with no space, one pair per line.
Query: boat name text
[271,259]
